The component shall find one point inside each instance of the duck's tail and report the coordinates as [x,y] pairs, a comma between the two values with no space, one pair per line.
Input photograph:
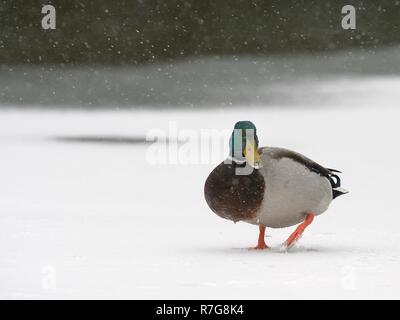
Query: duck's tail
[336,192]
[334,179]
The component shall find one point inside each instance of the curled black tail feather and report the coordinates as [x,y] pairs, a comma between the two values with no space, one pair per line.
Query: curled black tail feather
[336,185]
[334,180]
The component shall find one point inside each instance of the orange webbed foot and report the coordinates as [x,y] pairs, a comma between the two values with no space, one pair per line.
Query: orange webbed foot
[296,235]
[261,245]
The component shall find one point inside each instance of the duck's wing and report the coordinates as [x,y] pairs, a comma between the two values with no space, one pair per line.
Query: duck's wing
[334,170]
[330,174]
[280,153]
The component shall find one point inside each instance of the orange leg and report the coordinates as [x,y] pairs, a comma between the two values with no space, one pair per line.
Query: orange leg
[261,242]
[296,235]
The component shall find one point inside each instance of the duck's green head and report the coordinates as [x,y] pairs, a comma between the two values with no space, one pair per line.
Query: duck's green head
[243,144]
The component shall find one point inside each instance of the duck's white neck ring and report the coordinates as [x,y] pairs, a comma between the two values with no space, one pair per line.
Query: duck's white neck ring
[237,161]
[233,159]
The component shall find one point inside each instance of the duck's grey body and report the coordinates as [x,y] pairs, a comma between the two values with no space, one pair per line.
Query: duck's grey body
[294,186]
[279,194]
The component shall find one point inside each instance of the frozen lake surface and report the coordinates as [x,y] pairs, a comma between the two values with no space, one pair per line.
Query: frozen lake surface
[321,79]
[94,219]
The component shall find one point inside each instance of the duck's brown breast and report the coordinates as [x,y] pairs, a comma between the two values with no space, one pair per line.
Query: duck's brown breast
[234,197]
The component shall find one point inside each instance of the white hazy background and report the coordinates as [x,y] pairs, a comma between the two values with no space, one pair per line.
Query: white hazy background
[96,220]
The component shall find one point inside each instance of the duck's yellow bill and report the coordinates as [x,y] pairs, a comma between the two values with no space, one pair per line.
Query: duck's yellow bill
[251,154]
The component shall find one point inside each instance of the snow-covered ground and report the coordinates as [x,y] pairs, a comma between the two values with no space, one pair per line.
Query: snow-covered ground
[83,219]
[84,213]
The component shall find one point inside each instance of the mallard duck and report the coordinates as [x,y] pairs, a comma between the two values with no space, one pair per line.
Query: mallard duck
[269,187]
